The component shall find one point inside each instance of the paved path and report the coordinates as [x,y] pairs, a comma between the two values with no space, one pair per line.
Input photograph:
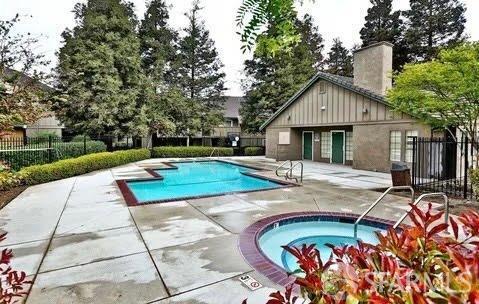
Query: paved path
[80,243]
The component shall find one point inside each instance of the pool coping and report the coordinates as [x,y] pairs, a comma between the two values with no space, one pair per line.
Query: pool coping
[132,201]
[248,243]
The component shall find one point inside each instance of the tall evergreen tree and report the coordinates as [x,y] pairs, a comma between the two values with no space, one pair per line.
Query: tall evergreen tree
[199,72]
[272,80]
[100,69]
[157,41]
[339,60]
[312,37]
[433,24]
[384,24]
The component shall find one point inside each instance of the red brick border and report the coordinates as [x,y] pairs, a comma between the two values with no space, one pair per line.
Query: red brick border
[248,243]
[132,201]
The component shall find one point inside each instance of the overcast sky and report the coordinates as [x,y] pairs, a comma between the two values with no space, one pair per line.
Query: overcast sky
[336,18]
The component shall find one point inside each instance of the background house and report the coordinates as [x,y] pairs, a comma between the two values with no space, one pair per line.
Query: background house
[47,125]
[232,119]
[344,120]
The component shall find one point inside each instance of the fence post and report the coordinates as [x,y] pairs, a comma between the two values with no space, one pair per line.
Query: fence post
[50,154]
[466,165]
[414,160]
[84,144]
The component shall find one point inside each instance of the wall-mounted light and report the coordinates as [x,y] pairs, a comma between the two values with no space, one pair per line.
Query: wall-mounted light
[323,108]
[365,111]
[289,117]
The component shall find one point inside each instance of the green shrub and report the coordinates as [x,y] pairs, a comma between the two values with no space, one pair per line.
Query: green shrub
[81,138]
[252,151]
[474,175]
[76,166]
[179,152]
[8,178]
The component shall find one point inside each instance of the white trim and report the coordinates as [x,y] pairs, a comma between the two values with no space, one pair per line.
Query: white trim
[312,144]
[344,145]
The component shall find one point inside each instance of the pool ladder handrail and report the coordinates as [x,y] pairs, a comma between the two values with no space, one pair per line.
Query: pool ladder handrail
[419,199]
[371,207]
[282,167]
[289,173]
[213,152]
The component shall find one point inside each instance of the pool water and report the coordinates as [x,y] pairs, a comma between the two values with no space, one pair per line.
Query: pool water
[193,179]
[311,232]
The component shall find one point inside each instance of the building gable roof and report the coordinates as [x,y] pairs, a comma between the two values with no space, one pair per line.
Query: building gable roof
[345,82]
[232,106]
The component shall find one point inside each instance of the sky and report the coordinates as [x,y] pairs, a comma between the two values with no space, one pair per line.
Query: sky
[335,18]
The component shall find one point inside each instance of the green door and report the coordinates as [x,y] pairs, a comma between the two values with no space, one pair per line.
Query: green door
[308,145]
[337,152]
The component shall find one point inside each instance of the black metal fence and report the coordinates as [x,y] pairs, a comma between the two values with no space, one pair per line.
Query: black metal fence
[21,152]
[209,141]
[441,165]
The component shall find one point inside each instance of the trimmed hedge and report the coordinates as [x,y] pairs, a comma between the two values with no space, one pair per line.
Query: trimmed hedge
[253,151]
[76,166]
[191,151]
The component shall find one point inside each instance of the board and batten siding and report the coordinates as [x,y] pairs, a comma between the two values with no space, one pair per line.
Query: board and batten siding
[342,107]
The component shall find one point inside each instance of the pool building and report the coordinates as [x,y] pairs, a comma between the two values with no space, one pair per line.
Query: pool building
[346,120]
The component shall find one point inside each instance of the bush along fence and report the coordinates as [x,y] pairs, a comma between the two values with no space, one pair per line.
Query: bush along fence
[28,151]
[159,152]
[443,165]
[84,164]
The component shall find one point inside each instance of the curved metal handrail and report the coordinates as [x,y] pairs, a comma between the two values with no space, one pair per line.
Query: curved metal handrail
[289,173]
[419,199]
[213,152]
[377,202]
[282,167]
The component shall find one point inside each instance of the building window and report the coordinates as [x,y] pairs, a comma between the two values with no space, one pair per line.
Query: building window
[349,145]
[410,135]
[325,145]
[322,87]
[395,146]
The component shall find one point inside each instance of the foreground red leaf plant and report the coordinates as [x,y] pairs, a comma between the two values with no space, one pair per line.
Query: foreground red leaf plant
[13,284]
[419,264]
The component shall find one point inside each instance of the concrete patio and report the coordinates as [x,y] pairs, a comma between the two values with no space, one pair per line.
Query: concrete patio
[80,243]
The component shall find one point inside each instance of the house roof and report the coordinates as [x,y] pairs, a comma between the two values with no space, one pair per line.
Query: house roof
[232,106]
[345,82]
[27,79]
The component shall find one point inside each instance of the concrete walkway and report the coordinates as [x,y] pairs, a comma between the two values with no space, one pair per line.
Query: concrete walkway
[80,243]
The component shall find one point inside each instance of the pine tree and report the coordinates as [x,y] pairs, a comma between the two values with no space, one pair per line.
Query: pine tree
[433,24]
[100,69]
[340,60]
[199,72]
[384,24]
[157,41]
[311,36]
[272,80]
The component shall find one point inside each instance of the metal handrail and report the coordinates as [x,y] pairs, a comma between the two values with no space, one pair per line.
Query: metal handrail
[212,152]
[290,171]
[377,202]
[419,199]
[282,165]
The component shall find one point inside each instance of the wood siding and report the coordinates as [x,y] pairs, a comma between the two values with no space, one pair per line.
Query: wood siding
[342,107]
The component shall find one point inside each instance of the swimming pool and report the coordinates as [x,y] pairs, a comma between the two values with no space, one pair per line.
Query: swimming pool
[186,180]
[261,242]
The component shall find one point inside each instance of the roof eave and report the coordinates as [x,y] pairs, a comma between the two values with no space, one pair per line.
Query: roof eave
[306,87]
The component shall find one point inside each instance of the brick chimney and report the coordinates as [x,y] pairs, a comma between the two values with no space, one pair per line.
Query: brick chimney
[373,66]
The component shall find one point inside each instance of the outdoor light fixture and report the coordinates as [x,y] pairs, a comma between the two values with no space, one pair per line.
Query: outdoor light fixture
[289,117]
[365,111]
[323,108]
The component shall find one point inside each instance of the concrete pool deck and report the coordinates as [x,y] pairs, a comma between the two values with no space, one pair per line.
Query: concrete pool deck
[80,242]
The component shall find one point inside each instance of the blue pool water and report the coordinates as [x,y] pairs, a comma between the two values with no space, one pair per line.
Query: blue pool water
[311,232]
[193,179]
